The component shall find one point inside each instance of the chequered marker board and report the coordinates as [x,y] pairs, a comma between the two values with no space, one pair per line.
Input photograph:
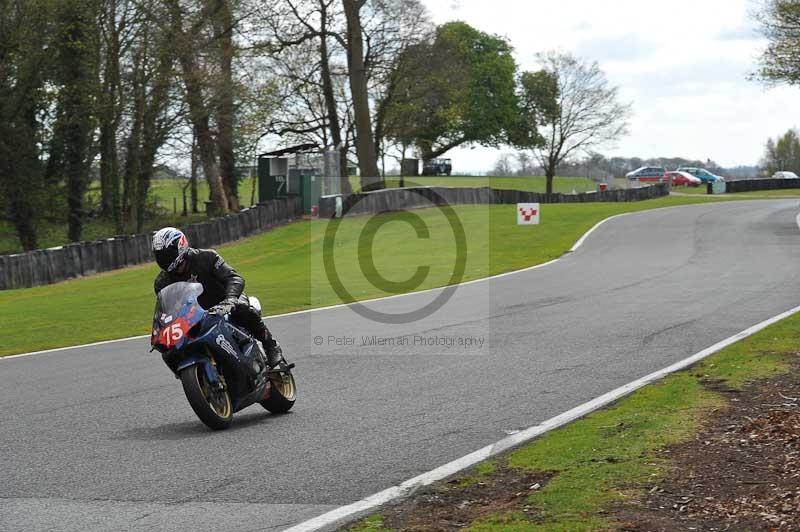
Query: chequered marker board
[528,213]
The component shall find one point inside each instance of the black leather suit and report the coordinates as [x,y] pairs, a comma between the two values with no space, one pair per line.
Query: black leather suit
[220,282]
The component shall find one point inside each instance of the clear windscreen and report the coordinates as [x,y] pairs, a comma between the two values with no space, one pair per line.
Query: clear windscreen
[172,299]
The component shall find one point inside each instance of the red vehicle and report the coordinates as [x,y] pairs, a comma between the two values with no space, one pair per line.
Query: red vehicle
[683,179]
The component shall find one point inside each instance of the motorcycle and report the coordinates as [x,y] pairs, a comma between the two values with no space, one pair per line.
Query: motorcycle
[221,367]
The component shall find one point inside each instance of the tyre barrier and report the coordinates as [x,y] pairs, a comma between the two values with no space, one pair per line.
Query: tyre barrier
[397,199]
[750,185]
[47,266]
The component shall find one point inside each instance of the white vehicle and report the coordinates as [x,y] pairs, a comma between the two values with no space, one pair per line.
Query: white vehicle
[784,175]
[648,174]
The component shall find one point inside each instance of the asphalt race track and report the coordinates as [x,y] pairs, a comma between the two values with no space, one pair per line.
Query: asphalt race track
[102,438]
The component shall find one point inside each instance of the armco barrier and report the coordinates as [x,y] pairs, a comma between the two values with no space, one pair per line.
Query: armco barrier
[749,185]
[47,266]
[395,199]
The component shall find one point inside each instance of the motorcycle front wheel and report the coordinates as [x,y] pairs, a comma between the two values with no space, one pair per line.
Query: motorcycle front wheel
[212,406]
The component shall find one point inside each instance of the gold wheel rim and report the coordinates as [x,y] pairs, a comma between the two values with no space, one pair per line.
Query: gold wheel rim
[222,410]
[284,383]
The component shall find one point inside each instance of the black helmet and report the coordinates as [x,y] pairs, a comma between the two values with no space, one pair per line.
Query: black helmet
[169,248]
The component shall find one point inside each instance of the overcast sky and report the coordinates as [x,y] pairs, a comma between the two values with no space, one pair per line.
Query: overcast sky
[682,63]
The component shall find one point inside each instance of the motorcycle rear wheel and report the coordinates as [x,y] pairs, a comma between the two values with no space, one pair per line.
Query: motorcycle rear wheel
[213,407]
[282,394]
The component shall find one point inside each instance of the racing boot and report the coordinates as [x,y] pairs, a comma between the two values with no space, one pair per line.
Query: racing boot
[274,353]
[272,349]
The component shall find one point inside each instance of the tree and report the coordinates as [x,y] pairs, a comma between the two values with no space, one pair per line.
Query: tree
[184,40]
[108,110]
[525,164]
[780,24]
[77,73]
[306,44]
[223,24]
[328,91]
[151,75]
[575,108]
[26,32]
[783,153]
[304,39]
[456,89]
[365,143]
[391,27]
[504,166]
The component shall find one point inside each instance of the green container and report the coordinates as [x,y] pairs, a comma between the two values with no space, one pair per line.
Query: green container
[312,190]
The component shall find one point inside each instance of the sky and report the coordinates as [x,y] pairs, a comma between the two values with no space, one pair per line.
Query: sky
[683,64]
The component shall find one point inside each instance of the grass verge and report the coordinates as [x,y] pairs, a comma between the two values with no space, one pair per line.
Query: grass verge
[285,268]
[606,457]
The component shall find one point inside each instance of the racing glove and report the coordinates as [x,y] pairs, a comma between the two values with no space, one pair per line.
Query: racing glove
[224,307]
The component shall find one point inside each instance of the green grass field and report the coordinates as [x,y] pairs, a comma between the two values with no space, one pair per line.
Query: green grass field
[284,267]
[611,455]
[165,190]
[168,197]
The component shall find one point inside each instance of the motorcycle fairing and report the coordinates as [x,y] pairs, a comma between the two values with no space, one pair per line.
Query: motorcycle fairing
[177,311]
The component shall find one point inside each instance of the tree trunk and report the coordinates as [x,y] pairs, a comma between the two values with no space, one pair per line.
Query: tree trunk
[132,168]
[225,108]
[193,177]
[330,101]
[365,144]
[109,121]
[198,111]
[550,173]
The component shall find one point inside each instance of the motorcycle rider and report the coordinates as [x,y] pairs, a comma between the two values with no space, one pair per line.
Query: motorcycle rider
[223,287]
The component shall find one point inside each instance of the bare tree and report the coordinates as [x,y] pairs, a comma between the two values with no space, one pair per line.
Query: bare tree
[525,165]
[391,27]
[365,143]
[305,41]
[221,16]
[504,166]
[575,108]
[200,114]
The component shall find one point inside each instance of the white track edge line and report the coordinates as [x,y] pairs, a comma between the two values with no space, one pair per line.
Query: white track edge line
[578,244]
[359,508]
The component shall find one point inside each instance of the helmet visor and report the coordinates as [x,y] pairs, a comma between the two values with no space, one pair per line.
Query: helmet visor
[165,257]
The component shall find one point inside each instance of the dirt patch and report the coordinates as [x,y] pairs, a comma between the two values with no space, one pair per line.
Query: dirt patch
[456,504]
[741,472]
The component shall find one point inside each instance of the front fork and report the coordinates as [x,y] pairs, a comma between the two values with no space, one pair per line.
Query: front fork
[215,378]
[209,365]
